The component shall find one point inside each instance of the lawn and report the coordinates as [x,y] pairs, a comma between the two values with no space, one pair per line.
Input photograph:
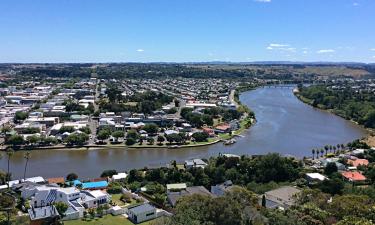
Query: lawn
[108,219]
[116,199]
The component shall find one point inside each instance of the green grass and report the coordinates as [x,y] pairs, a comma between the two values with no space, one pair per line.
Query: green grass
[108,219]
[116,199]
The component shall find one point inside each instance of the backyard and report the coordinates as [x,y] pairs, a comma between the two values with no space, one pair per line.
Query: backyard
[108,219]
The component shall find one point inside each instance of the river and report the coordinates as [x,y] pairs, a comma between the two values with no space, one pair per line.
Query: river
[284,125]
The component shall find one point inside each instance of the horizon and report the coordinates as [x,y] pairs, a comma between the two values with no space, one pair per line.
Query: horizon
[244,31]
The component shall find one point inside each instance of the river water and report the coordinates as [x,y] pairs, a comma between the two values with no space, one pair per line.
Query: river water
[284,125]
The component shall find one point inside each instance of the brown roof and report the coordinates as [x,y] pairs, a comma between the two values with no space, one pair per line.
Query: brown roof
[56,180]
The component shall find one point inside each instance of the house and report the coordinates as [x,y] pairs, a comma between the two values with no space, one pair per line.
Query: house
[176,187]
[45,195]
[357,152]
[223,128]
[282,198]
[358,162]
[221,189]
[315,177]
[169,132]
[210,132]
[56,180]
[92,199]
[119,177]
[174,196]
[43,215]
[339,165]
[353,176]
[142,213]
[195,163]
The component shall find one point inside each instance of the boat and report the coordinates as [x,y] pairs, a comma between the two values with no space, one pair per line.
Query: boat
[230,142]
[174,146]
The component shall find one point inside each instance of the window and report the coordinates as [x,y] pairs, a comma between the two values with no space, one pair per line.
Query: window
[149,214]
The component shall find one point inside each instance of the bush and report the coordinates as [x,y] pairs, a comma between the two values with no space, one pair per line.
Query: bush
[130,141]
[114,188]
[126,198]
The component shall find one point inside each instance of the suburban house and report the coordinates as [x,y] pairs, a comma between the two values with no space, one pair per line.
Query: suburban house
[358,162]
[45,195]
[195,163]
[353,176]
[174,196]
[221,189]
[119,177]
[142,213]
[282,198]
[43,215]
[315,177]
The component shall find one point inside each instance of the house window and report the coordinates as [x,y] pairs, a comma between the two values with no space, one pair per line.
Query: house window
[149,214]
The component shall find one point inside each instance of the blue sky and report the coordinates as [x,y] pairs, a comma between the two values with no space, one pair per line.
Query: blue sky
[186,30]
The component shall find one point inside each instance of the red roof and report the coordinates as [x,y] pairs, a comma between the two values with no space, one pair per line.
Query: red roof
[353,176]
[358,162]
[223,127]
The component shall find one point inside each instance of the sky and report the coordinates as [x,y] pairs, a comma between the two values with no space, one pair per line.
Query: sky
[187,30]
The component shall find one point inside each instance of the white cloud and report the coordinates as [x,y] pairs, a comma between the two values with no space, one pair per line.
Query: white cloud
[281,47]
[373,49]
[323,51]
[140,50]
[265,1]
[355,4]
[278,45]
[305,52]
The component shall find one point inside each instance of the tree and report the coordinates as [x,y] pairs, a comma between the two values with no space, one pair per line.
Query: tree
[21,115]
[77,139]
[108,173]
[313,153]
[264,201]
[118,134]
[332,186]
[33,139]
[27,156]
[321,152]
[160,139]
[150,140]
[61,208]
[151,128]
[68,129]
[15,140]
[132,134]
[71,177]
[92,212]
[330,168]
[103,134]
[130,141]
[200,136]
[10,153]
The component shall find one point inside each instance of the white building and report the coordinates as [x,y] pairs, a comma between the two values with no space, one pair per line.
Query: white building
[142,213]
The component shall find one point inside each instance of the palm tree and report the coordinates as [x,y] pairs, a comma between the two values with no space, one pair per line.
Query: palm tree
[330,148]
[9,153]
[334,149]
[313,153]
[27,157]
[321,152]
[317,153]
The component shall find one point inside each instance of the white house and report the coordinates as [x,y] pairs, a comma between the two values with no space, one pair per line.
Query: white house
[141,213]
[119,177]
[92,199]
